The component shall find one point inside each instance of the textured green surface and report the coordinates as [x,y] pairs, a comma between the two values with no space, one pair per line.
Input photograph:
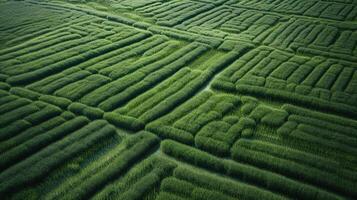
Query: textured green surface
[178,99]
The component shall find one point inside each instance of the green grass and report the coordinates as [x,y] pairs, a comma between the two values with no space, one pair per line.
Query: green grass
[178,99]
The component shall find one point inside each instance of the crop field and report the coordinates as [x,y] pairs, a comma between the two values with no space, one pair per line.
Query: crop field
[178,99]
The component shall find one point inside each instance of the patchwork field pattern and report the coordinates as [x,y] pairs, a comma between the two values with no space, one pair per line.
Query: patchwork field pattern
[178,99]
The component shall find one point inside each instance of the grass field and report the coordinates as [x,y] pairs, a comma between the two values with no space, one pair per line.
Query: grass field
[178,99]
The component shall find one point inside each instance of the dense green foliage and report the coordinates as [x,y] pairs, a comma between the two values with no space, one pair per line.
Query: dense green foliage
[178,99]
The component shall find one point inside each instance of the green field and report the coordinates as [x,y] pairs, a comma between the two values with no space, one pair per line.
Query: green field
[178,99]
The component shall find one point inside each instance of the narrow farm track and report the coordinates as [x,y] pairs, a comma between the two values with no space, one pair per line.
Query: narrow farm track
[178,99]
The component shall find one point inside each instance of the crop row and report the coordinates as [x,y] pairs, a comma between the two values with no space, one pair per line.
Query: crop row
[52,83]
[211,122]
[139,180]
[339,43]
[192,184]
[34,144]
[37,166]
[342,123]
[250,25]
[48,106]
[184,35]
[115,19]
[322,134]
[108,168]
[172,92]
[25,26]
[332,124]
[319,9]
[280,74]
[173,13]
[298,156]
[119,63]
[115,93]
[165,96]
[221,105]
[69,59]
[259,27]
[266,179]
[184,122]
[60,50]
[217,137]
[242,152]
[308,125]
[210,19]
[19,122]
[229,20]
[329,141]
[39,42]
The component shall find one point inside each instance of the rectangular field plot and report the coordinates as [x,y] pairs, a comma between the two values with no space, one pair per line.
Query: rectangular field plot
[311,38]
[25,25]
[317,80]
[335,10]
[178,99]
